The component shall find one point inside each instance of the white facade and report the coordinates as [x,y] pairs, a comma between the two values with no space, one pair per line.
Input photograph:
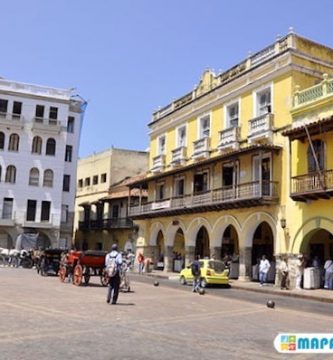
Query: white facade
[47,123]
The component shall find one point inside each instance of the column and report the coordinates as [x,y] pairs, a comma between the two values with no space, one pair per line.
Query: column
[168,259]
[215,253]
[245,263]
[189,254]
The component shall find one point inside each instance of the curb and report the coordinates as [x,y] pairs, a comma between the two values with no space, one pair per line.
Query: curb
[289,293]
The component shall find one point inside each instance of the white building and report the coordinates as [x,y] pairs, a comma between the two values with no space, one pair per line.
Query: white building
[39,141]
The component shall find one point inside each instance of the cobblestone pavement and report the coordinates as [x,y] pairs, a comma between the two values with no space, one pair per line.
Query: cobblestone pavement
[42,318]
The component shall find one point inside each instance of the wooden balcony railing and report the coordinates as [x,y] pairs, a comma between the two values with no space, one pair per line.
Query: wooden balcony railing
[312,186]
[110,223]
[241,195]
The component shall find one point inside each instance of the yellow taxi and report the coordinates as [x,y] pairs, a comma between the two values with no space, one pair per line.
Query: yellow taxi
[212,272]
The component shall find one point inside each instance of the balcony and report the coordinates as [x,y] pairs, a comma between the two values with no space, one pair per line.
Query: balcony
[14,121]
[261,129]
[201,149]
[312,186]
[158,164]
[105,224]
[178,156]
[228,197]
[49,125]
[229,139]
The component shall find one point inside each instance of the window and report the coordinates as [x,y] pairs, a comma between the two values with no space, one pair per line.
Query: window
[10,174]
[68,153]
[80,183]
[64,214]
[34,177]
[161,145]
[45,213]
[48,178]
[66,183]
[31,210]
[201,182]
[50,147]
[264,102]
[3,107]
[95,179]
[37,145]
[87,181]
[160,189]
[17,109]
[70,124]
[39,111]
[2,140]
[53,114]
[115,211]
[103,178]
[229,174]
[14,141]
[179,187]
[232,115]
[318,147]
[7,209]
[204,126]
[181,136]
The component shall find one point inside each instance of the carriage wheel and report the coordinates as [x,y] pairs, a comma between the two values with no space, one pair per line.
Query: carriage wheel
[104,278]
[77,277]
[62,273]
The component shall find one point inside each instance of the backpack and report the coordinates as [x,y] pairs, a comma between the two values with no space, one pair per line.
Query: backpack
[112,267]
[195,268]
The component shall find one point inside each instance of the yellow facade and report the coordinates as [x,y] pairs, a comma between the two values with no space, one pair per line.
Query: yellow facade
[220,166]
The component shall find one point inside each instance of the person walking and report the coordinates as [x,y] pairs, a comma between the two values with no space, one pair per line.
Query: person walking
[264,266]
[113,262]
[328,267]
[300,264]
[195,269]
[284,272]
[141,261]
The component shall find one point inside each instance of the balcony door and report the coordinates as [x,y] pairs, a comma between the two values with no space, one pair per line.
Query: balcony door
[229,180]
[262,173]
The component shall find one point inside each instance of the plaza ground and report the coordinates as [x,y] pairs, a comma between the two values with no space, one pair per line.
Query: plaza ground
[43,318]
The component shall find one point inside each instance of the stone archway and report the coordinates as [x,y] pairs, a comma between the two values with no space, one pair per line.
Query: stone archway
[160,251]
[230,250]
[317,245]
[202,243]
[6,240]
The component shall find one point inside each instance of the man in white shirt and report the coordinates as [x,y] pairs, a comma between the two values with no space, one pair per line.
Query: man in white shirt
[263,270]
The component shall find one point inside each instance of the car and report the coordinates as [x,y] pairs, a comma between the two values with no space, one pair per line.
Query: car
[212,272]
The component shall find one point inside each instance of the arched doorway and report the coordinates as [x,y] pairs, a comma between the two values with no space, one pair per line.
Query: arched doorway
[263,244]
[179,251]
[159,250]
[230,250]
[202,243]
[6,241]
[43,241]
[317,244]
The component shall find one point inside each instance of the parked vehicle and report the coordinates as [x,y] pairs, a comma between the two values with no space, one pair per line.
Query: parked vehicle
[49,262]
[79,266]
[211,272]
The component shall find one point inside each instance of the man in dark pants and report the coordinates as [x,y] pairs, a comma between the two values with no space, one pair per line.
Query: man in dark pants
[113,288]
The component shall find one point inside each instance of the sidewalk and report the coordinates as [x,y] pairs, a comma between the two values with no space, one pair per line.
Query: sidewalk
[315,294]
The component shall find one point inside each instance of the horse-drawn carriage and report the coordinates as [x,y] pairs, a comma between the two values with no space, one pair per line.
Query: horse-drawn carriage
[79,266]
[48,261]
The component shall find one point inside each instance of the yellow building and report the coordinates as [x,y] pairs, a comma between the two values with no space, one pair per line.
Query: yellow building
[218,182]
[101,202]
[309,220]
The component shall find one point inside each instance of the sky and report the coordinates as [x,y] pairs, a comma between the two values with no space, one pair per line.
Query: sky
[128,57]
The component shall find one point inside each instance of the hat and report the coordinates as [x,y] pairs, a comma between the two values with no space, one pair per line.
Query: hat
[114,247]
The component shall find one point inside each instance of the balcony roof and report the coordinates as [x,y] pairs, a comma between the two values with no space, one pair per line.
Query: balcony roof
[314,128]
[230,155]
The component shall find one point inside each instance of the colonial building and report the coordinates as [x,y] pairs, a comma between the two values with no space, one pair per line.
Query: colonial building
[102,195]
[309,220]
[39,140]
[218,181]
